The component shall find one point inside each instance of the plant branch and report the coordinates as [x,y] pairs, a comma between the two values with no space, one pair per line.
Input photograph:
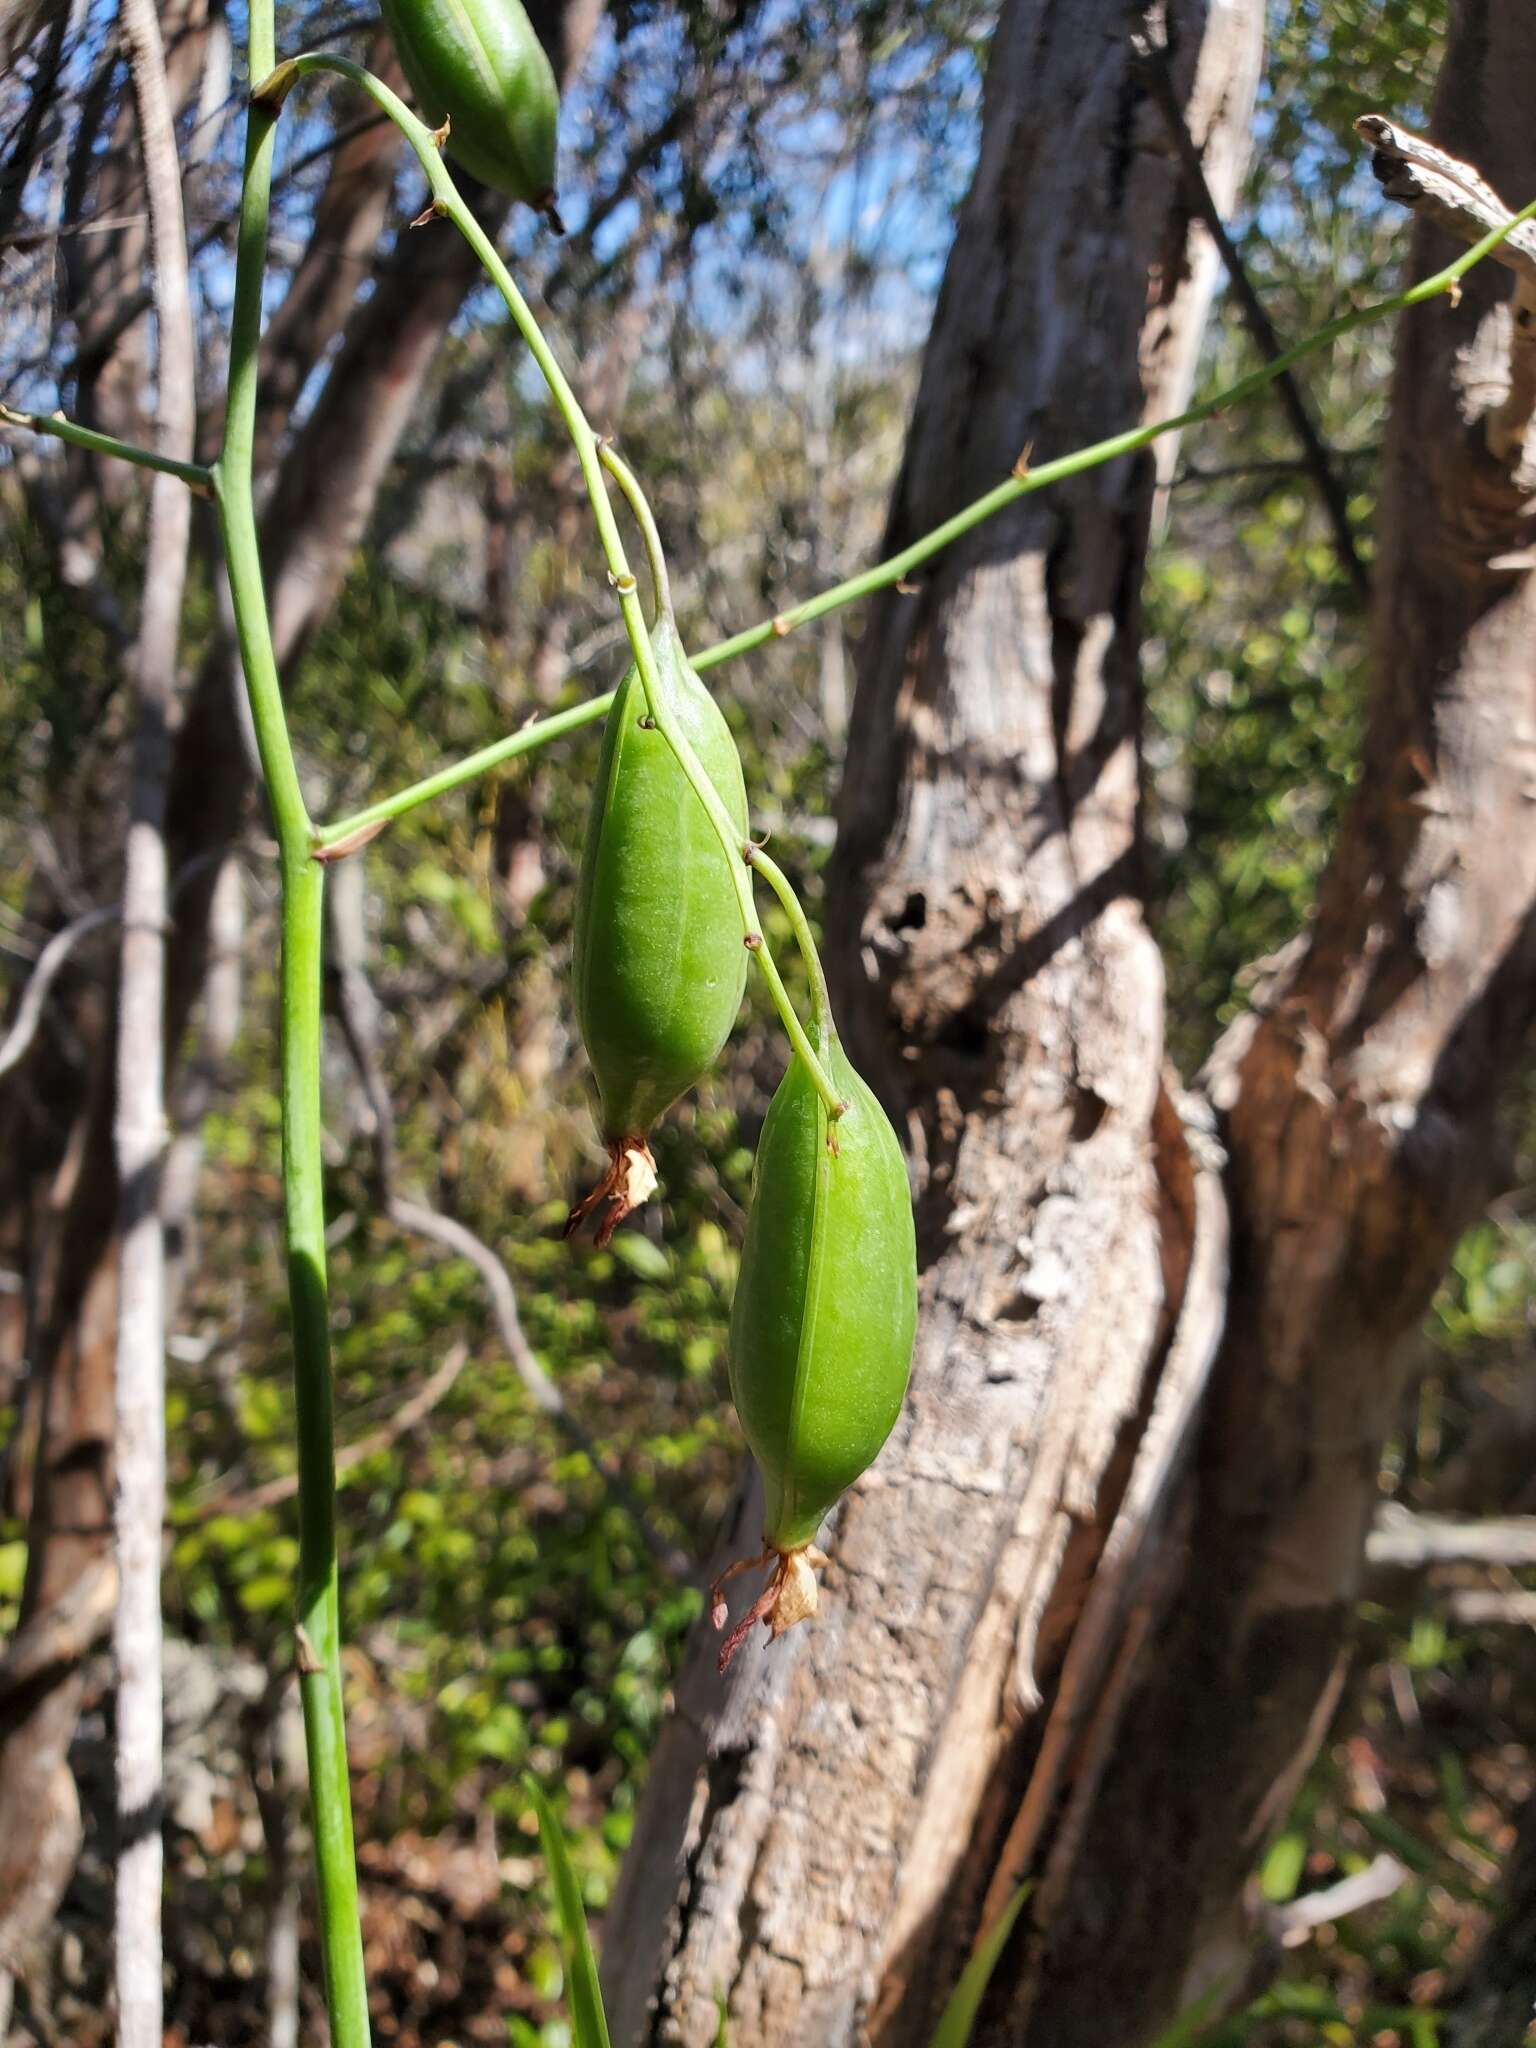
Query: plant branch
[1295,1920]
[1276,466]
[1027,479]
[336,839]
[1454,195]
[1406,1541]
[318,1629]
[46,970]
[794,910]
[333,841]
[194,474]
[1478,1607]
[645,519]
[140,1131]
[50,963]
[407,1417]
[420,1219]
[1420,175]
[65,1631]
[737,851]
[1315,455]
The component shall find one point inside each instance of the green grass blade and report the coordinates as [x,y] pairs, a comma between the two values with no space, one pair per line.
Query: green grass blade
[1192,2027]
[959,2016]
[587,2017]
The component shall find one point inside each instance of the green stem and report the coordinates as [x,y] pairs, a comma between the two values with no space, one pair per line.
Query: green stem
[645,519]
[524,742]
[271,92]
[799,924]
[194,474]
[883,574]
[1025,480]
[318,1632]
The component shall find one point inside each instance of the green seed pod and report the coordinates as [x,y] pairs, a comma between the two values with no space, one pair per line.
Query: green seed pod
[659,959]
[824,1317]
[478,65]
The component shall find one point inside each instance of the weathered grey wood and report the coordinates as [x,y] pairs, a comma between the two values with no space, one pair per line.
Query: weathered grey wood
[1357,1106]
[1411,1541]
[1453,194]
[140,1129]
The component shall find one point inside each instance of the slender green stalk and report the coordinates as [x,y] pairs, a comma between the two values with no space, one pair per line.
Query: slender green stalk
[318,1632]
[734,848]
[739,855]
[645,519]
[1021,484]
[799,924]
[195,474]
[885,573]
[523,742]
[1026,480]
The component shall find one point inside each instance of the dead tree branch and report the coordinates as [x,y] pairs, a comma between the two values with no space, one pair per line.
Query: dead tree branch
[1441,188]
[1409,1542]
[140,1126]
[46,969]
[1297,1918]
[1477,1607]
[1316,458]
[64,1633]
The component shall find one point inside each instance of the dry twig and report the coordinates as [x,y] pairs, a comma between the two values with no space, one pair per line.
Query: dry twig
[1315,456]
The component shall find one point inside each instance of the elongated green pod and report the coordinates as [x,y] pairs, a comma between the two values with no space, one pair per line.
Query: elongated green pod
[478,65]
[824,1317]
[660,963]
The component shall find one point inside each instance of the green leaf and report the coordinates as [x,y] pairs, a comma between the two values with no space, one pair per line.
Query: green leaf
[1195,2020]
[959,2016]
[265,1591]
[1283,1867]
[13,1569]
[588,2019]
[645,1260]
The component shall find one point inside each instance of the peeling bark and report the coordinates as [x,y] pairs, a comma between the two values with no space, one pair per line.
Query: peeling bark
[1358,1104]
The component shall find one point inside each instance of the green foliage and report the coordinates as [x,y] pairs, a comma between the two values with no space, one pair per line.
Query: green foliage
[1256,654]
[586,1999]
[591,2025]
[959,2016]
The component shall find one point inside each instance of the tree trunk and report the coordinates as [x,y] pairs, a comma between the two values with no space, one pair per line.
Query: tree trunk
[822,1857]
[1086,1621]
[140,1125]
